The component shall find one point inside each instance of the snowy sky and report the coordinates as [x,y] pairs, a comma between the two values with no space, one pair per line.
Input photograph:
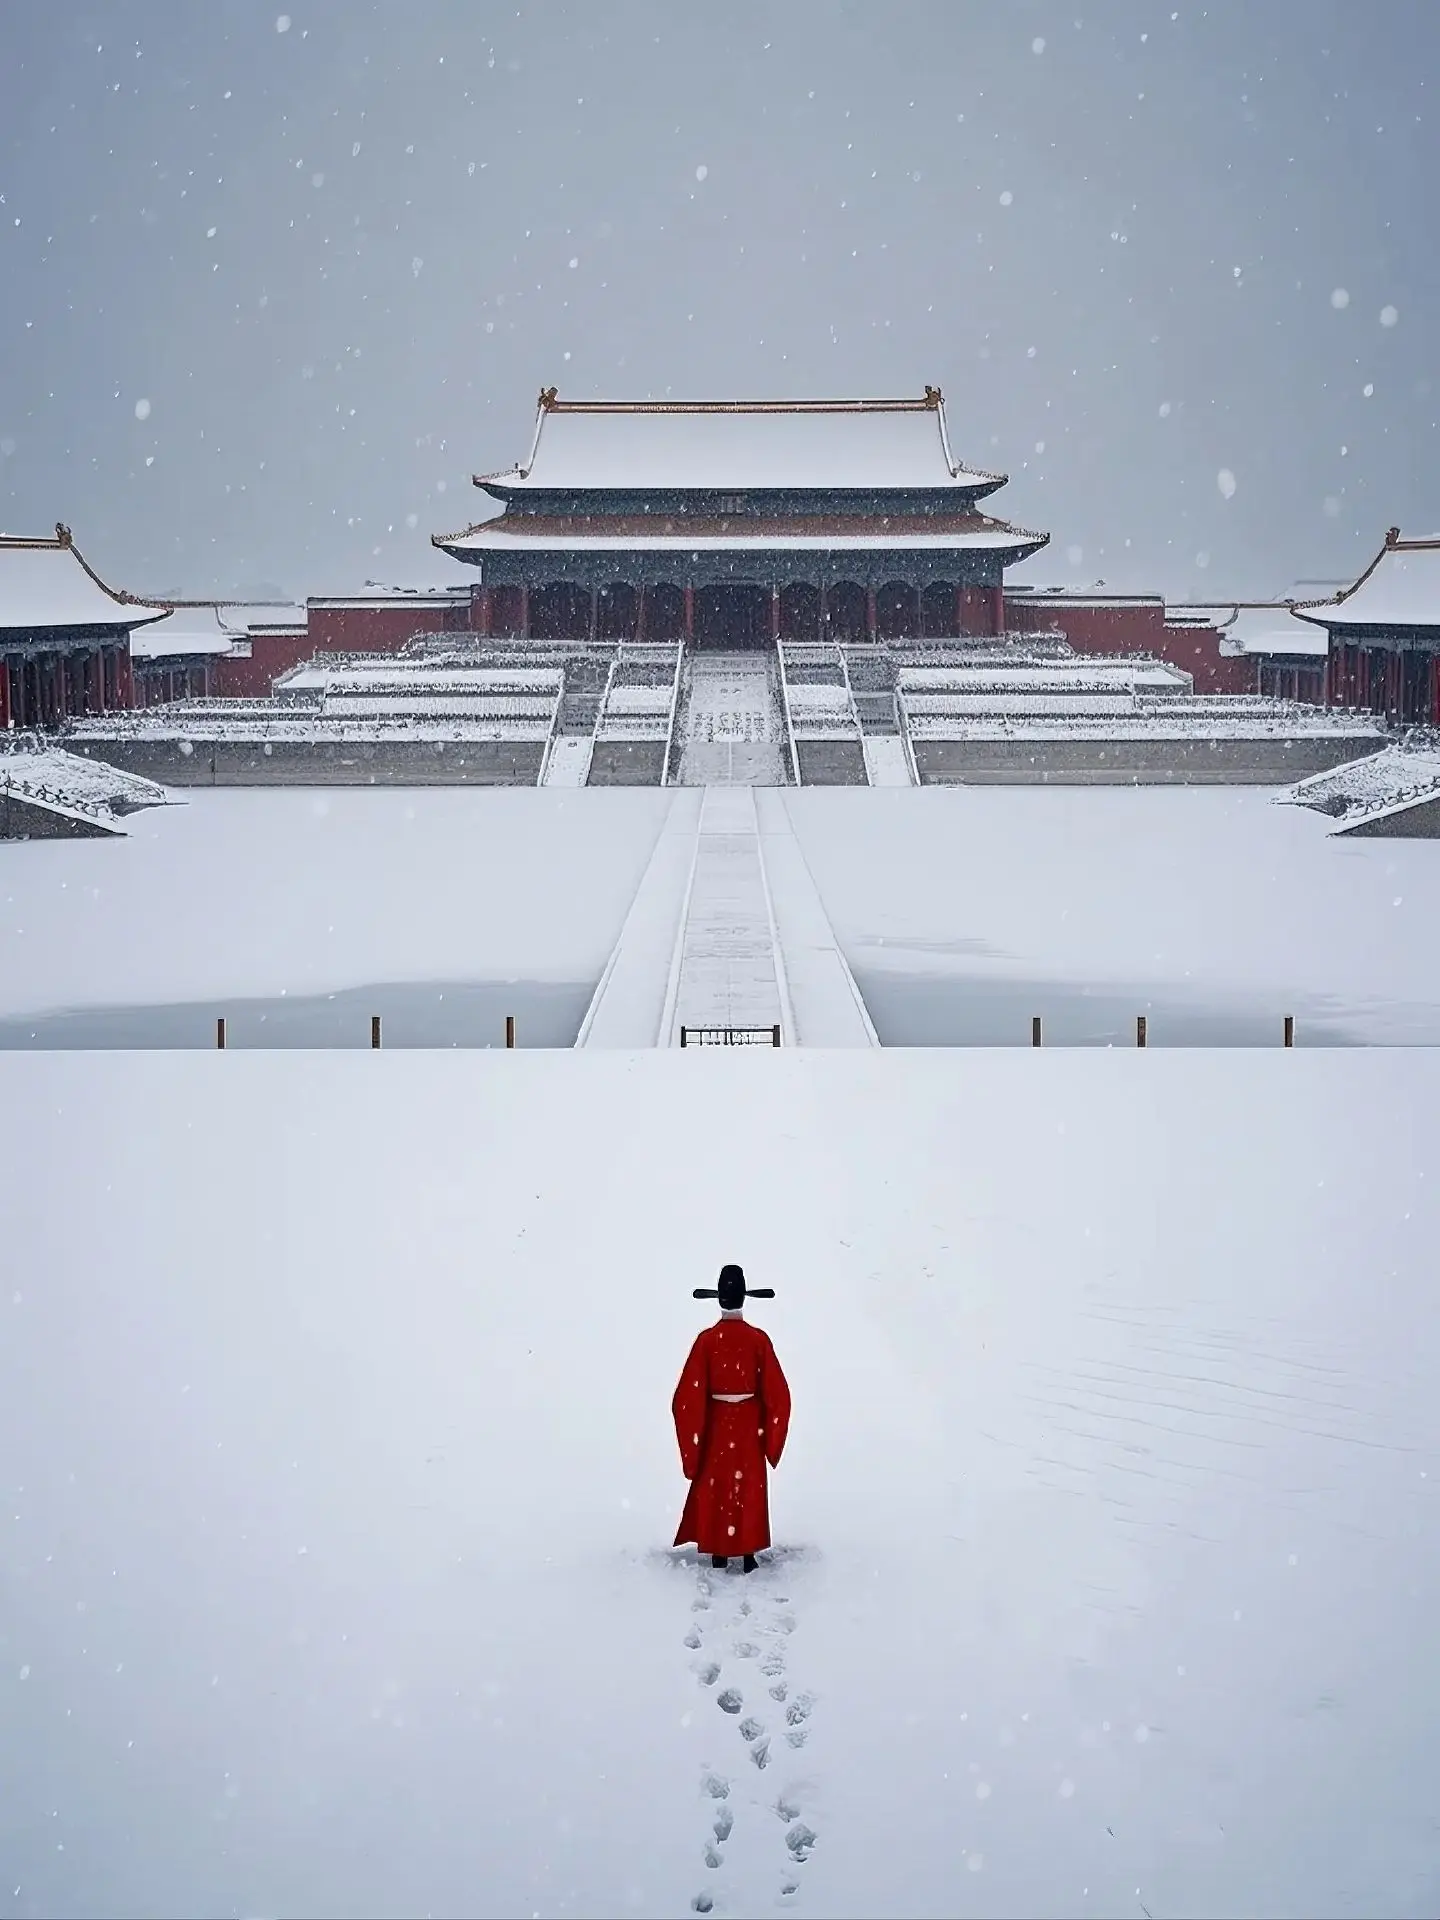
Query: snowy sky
[272,285]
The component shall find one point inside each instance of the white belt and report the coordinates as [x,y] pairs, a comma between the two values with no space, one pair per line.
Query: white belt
[732,1399]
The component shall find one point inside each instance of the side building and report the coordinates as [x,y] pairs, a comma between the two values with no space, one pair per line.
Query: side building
[64,635]
[1383,635]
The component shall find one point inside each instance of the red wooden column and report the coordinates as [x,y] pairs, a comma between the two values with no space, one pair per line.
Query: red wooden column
[775,614]
[7,719]
[482,612]
[997,609]
[525,613]
[640,612]
[689,616]
[871,622]
[124,678]
[959,610]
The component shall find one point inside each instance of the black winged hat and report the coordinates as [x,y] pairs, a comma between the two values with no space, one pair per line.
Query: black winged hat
[732,1292]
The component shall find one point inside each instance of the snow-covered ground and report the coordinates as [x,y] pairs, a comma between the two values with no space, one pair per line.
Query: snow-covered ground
[1210,902]
[301,892]
[1198,899]
[334,1407]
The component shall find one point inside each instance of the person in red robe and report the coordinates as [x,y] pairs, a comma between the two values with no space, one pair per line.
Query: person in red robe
[732,1414]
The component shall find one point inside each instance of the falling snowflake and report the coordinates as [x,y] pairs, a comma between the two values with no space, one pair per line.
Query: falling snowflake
[142,409]
[1388,316]
[282,23]
[1340,298]
[700,172]
[1225,480]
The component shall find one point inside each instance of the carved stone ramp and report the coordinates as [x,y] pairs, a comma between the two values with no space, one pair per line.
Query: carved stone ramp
[727,932]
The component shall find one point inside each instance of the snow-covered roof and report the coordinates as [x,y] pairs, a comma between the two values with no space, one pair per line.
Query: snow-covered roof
[46,584]
[392,597]
[1399,588]
[1270,629]
[538,534]
[740,444]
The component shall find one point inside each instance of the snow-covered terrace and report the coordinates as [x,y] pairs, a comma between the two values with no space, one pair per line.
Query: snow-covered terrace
[68,780]
[449,675]
[203,721]
[1182,719]
[1398,776]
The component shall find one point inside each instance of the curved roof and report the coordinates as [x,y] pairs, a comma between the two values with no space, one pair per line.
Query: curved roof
[1399,588]
[695,533]
[740,445]
[47,585]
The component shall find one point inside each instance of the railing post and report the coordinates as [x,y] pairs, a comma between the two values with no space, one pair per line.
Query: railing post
[220,1033]
[1289,1029]
[775,1030]
[509,1029]
[374,1030]
[1035,1039]
[682,1036]
[1141,1030]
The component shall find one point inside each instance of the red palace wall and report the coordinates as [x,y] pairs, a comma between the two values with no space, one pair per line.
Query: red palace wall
[1138,627]
[382,627]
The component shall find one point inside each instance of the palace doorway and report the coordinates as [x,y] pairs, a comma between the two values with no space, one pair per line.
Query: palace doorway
[732,618]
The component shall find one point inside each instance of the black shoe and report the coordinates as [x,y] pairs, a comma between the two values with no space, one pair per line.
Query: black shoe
[750,1563]
[718,1560]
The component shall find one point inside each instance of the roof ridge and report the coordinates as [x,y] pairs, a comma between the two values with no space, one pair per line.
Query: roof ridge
[932,401]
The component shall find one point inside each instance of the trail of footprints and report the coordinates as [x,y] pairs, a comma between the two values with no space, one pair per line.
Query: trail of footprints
[772,1625]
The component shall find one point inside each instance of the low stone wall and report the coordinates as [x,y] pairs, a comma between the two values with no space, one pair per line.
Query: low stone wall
[1202,761]
[626,763]
[324,763]
[831,763]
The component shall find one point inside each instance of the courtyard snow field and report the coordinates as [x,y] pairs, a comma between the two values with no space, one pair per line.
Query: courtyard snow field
[233,895]
[961,911]
[339,1475]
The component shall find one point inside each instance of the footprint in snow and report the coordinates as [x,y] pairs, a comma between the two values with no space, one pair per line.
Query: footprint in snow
[717,1787]
[724,1824]
[786,1809]
[760,1752]
[711,1856]
[745,1650]
[800,1839]
[707,1673]
[779,1692]
[751,1729]
[703,1903]
[796,1715]
[773,1663]
[692,1638]
[728,1699]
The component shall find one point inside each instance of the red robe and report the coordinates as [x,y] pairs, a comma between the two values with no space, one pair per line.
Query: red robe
[724,1445]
